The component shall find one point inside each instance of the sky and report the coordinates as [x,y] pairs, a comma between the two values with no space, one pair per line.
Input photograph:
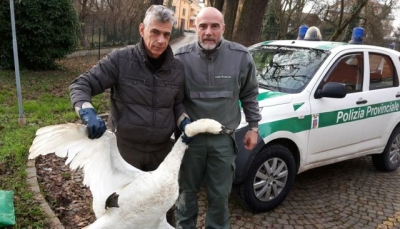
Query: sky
[395,12]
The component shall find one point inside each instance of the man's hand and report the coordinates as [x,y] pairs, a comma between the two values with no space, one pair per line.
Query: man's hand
[182,126]
[250,140]
[95,125]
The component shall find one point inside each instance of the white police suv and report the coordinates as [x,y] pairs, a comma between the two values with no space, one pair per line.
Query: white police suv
[321,102]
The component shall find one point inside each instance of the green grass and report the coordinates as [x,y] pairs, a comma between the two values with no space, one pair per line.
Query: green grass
[45,101]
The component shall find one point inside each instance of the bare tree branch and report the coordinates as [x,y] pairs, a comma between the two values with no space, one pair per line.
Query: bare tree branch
[342,26]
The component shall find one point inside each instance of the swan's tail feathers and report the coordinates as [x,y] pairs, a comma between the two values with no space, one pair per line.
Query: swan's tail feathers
[206,126]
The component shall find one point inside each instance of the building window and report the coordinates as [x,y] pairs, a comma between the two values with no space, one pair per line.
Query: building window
[173,8]
[183,12]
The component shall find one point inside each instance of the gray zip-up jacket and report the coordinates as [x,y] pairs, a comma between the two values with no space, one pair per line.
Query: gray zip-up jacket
[145,104]
[216,81]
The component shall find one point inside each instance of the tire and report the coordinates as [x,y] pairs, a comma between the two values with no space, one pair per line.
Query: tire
[261,193]
[389,159]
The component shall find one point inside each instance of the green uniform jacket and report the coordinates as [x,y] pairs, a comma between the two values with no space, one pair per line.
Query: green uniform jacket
[215,82]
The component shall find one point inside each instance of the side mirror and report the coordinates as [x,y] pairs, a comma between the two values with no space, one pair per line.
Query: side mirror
[331,90]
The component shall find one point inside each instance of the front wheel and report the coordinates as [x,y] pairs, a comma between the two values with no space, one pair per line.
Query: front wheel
[269,180]
[389,159]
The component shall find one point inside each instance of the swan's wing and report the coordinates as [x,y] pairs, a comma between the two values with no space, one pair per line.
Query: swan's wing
[104,169]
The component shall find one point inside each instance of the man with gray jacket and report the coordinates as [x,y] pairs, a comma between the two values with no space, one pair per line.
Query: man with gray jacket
[218,74]
[146,83]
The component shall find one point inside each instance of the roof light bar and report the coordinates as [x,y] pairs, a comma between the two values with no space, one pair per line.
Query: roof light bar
[302,32]
[357,36]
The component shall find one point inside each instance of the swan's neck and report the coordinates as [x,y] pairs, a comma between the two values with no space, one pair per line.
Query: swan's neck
[172,162]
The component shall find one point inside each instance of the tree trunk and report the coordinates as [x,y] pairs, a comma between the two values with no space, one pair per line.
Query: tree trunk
[353,23]
[219,4]
[250,22]
[82,15]
[270,28]
[343,25]
[230,18]
[156,2]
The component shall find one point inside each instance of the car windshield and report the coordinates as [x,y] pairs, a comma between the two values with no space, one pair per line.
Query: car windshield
[286,69]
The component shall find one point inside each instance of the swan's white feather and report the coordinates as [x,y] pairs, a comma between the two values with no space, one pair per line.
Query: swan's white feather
[144,197]
[104,169]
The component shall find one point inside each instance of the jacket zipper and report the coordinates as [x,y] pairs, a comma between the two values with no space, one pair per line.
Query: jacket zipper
[153,94]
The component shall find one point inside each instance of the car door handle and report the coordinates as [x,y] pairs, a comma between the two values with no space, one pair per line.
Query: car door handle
[361,101]
[397,95]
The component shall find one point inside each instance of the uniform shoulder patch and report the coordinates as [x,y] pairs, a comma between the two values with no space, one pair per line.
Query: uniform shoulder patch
[184,49]
[237,46]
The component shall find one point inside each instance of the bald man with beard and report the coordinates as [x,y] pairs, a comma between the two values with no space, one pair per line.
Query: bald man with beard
[218,74]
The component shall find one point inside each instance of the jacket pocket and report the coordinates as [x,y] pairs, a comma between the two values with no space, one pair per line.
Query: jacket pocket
[168,84]
[135,90]
[167,92]
[131,80]
[211,94]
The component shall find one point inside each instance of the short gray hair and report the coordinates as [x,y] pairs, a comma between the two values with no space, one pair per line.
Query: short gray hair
[160,13]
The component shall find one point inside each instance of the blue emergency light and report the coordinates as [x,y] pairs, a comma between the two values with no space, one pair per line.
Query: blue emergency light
[357,36]
[302,32]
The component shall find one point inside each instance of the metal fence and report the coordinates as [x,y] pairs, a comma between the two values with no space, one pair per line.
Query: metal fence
[96,33]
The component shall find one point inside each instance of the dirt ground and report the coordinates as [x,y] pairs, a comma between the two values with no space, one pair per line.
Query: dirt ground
[70,200]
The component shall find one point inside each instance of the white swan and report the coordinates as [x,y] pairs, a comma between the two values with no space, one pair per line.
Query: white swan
[143,198]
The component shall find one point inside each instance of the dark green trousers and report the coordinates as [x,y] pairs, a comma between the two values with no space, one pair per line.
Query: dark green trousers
[209,158]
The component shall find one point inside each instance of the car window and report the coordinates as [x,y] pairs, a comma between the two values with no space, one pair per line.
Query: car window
[381,71]
[286,69]
[349,71]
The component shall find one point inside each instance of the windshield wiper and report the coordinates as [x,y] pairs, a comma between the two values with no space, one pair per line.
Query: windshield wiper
[291,76]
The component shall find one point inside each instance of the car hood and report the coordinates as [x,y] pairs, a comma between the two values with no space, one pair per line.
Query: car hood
[268,98]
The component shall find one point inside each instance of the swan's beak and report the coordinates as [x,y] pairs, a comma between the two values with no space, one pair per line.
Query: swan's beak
[226,130]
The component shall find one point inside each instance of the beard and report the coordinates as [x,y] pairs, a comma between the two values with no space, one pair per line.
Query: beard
[209,45]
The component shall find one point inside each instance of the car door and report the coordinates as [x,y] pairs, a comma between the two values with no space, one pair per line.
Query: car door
[381,99]
[335,130]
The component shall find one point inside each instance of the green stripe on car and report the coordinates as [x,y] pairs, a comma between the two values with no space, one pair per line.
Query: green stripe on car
[266,95]
[297,106]
[296,124]
[358,113]
[293,125]
[269,94]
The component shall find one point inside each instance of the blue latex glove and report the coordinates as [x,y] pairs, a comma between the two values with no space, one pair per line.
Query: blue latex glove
[95,125]
[182,126]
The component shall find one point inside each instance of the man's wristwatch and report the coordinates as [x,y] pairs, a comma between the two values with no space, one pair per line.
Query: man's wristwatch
[255,129]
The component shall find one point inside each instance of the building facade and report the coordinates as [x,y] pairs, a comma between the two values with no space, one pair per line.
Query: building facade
[185,12]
